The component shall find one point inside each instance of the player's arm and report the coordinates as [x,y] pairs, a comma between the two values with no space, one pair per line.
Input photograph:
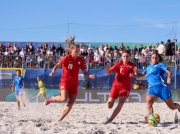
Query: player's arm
[23,86]
[92,76]
[13,85]
[138,75]
[54,69]
[108,70]
[169,73]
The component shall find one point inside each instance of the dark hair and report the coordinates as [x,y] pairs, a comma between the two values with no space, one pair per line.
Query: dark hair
[160,57]
[18,71]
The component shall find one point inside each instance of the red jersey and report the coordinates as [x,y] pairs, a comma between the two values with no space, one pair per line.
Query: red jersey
[70,68]
[123,71]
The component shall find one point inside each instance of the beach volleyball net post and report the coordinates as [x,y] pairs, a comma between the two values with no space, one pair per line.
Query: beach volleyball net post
[6,78]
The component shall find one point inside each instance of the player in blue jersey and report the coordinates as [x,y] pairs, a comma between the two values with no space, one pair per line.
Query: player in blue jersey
[18,87]
[157,85]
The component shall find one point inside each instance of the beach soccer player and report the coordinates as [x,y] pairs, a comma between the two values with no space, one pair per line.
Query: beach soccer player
[42,90]
[69,80]
[157,85]
[18,88]
[121,85]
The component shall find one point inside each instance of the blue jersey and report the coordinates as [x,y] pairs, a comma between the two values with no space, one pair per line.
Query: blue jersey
[18,81]
[154,73]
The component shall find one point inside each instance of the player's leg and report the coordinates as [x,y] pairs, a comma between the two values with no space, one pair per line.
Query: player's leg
[166,96]
[44,96]
[21,98]
[17,100]
[110,102]
[62,97]
[114,94]
[150,99]
[72,99]
[116,111]
[38,97]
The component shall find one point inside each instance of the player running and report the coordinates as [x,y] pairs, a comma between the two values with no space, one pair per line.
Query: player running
[69,80]
[157,86]
[18,88]
[42,90]
[121,85]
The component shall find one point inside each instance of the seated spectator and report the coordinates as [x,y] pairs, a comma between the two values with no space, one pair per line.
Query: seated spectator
[142,61]
[40,61]
[38,51]
[22,53]
[15,48]
[141,86]
[116,56]
[108,56]
[29,52]
[135,85]
[7,52]
[52,48]
[89,60]
[29,61]
[102,61]
[96,59]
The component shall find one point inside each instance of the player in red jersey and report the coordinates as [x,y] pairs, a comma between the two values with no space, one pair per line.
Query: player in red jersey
[121,85]
[69,80]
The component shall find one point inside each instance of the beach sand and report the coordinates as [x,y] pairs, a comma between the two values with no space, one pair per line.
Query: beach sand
[83,119]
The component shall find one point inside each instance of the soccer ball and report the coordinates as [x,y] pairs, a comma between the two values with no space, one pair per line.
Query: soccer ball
[153,119]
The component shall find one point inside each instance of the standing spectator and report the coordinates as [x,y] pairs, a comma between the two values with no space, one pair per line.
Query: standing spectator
[134,50]
[161,48]
[96,59]
[169,48]
[1,48]
[25,47]
[6,52]
[140,49]
[31,47]
[59,49]
[8,47]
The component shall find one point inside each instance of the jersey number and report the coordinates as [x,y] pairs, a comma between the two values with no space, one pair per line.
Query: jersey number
[70,66]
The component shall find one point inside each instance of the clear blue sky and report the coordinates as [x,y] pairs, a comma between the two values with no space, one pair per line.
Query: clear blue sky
[92,20]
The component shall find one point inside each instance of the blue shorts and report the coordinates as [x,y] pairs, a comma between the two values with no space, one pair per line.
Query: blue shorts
[18,91]
[161,91]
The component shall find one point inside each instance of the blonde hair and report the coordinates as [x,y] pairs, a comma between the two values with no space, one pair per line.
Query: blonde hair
[71,43]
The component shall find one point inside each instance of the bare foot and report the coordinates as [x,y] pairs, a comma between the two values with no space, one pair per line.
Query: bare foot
[146,119]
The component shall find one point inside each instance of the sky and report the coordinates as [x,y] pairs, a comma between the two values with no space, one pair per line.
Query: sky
[89,21]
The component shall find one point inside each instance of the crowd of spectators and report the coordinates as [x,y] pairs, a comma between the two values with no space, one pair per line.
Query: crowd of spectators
[47,55]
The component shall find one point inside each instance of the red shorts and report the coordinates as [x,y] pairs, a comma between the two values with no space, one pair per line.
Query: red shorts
[118,91]
[70,86]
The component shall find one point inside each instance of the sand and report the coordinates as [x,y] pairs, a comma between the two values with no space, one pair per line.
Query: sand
[83,119]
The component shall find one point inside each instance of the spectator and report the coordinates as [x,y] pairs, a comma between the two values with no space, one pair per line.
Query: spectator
[141,85]
[116,56]
[135,85]
[59,49]
[140,49]
[102,61]
[29,61]
[15,48]
[29,52]
[161,48]
[142,60]
[26,47]
[89,60]
[40,61]
[8,47]
[134,50]
[31,47]
[169,48]
[1,48]
[22,53]
[96,59]
[6,52]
